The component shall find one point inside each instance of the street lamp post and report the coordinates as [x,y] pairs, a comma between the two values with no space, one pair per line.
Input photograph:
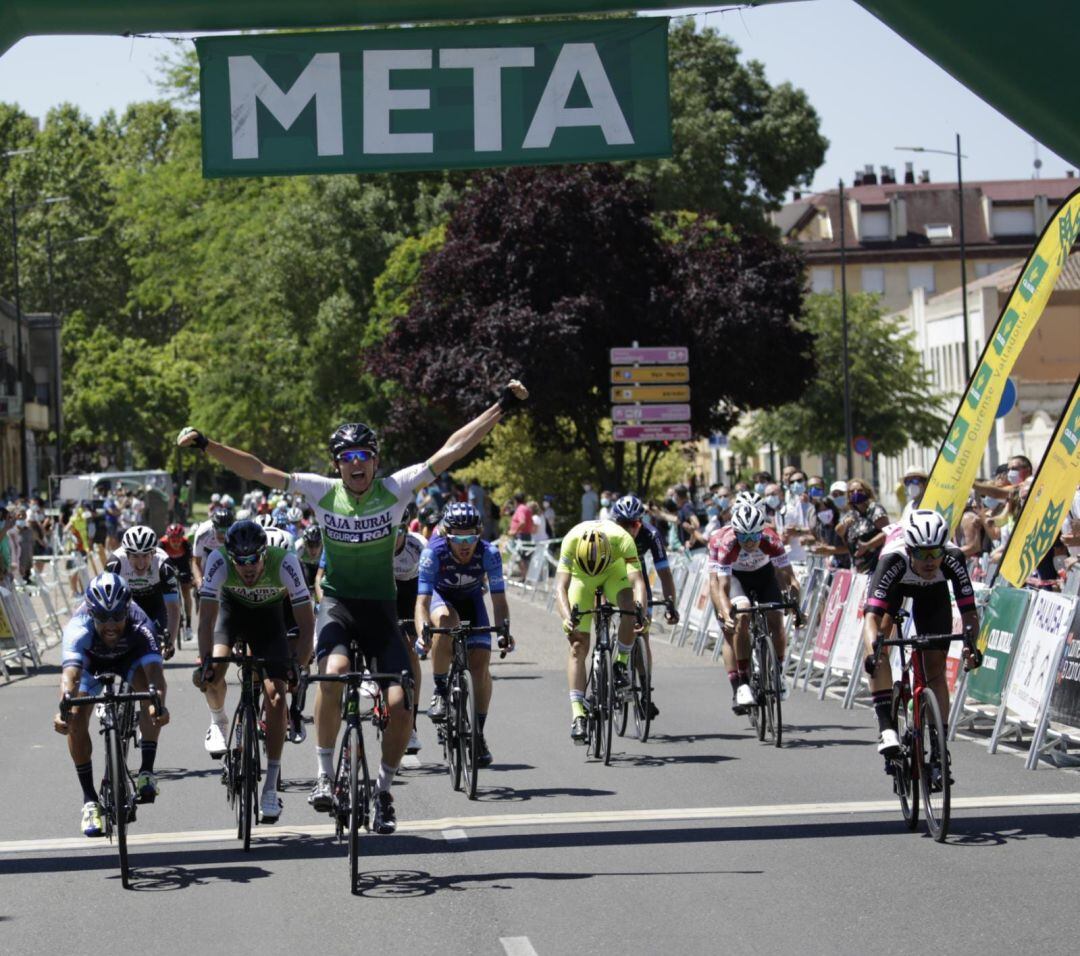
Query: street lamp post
[963,245]
[849,436]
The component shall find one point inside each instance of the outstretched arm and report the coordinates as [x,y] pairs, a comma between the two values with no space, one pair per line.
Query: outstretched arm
[239,462]
[466,438]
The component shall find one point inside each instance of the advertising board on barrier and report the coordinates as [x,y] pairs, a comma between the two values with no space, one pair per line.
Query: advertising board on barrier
[830,620]
[1002,619]
[1038,654]
[1065,699]
[849,632]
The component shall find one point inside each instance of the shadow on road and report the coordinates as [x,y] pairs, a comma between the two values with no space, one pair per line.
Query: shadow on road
[666,760]
[510,795]
[691,738]
[159,879]
[181,773]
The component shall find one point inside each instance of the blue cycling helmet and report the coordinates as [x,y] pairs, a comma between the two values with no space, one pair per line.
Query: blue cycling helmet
[628,507]
[461,516]
[108,596]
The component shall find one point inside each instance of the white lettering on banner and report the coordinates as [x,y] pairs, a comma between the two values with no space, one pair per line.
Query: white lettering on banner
[552,113]
[249,85]
[487,65]
[999,640]
[380,101]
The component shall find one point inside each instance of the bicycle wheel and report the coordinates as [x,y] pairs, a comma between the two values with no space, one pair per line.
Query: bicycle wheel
[903,781]
[933,766]
[248,785]
[607,711]
[350,763]
[775,684]
[592,742]
[641,688]
[467,733]
[759,667]
[116,769]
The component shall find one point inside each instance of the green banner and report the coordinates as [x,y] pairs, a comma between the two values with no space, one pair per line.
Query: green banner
[1001,622]
[434,98]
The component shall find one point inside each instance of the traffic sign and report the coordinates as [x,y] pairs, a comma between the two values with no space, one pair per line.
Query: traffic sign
[622,394]
[650,413]
[675,432]
[862,445]
[650,373]
[662,355]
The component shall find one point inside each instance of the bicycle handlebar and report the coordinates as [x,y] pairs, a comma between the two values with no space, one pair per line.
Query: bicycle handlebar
[69,703]
[927,642]
[503,630]
[772,606]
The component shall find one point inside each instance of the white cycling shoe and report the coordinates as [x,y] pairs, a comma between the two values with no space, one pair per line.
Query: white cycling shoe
[270,806]
[744,696]
[215,741]
[888,743]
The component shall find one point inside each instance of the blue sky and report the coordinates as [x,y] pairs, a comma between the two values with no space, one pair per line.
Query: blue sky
[872,90]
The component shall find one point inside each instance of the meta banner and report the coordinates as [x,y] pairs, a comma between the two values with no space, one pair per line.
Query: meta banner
[1052,491]
[957,463]
[434,98]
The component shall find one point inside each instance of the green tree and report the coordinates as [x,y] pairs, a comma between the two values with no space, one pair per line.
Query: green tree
[739,144]
[893,399]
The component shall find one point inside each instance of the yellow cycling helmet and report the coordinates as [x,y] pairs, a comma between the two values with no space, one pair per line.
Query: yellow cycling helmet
[594,552]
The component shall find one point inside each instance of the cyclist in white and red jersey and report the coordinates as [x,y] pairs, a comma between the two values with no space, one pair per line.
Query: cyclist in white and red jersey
[747,558]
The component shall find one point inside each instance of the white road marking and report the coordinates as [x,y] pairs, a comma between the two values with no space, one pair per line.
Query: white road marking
[574,818]
[456,835]
[517,946]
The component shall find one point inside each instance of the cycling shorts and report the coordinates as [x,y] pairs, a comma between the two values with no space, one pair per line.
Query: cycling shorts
[406,604]
[469,606]
[260,629]
[373,623]
[762,584]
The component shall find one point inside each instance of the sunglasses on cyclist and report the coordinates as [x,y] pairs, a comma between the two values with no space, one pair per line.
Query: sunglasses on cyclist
[748,538]
[926,554]
[244,560]
[356,454]
[463,538]
[116,616]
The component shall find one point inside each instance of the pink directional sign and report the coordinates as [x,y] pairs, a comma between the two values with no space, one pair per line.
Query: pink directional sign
[675,432]
[658,355]
[650,413]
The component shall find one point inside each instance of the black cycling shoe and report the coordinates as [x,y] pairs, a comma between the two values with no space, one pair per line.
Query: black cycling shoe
[579,731]
[621,675]
[438,707]
[654,711]
[483,755]
[385,819]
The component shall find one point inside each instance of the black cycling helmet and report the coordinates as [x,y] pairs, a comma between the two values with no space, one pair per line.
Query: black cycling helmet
[223,518]
[353,435]
[244,539]
[429,516]
[461,516]
[312,534]
[410,512]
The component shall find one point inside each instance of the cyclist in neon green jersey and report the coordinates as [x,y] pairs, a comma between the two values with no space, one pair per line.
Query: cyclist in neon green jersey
[359,515]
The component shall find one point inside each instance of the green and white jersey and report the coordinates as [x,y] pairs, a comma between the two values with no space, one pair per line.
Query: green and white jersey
[359,531]
[281,575]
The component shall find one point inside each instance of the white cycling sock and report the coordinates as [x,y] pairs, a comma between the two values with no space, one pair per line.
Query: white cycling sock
[325,756]
[385,778]
[273,771]
[220,718]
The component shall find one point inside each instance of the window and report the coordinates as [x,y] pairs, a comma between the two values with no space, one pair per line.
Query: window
[938,231]
[1012,220]
[873,280]
[821,279]
[921,277]
[874,224]
[985,268]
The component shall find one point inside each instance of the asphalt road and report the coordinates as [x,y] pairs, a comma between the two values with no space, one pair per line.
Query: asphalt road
[698,841]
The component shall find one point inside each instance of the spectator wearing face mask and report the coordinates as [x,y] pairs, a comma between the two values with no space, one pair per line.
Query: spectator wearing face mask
[795,517]
[1017,472]
[607,499]
[590,502]
[863,527]
[915,480]
[825,541]
[761,480]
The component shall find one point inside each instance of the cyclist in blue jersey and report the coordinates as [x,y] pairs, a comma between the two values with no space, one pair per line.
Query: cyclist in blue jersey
[109,633]
[629,514]
[453,569]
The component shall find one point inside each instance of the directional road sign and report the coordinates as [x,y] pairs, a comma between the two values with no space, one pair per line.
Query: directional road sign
[622,394]
[650,373]
[650,413]
[675,432]
[663,355]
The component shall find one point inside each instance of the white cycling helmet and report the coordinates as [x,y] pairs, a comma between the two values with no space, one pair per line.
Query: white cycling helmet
[279,538]
[925,529]
[747,519]
[749,498]
[294,515]
[265,521]
[227,501]
[139,540]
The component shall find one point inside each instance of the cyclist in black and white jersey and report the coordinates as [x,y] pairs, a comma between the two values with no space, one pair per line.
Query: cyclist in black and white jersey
[210,536]
[153,582]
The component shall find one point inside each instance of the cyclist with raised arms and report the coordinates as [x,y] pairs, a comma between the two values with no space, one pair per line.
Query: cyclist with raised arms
[177,547]
[152,580]
[917,562]
[747,557]
[359,515]
[242,602]
[597,554]
[453,570]
[109,633]
[629,514]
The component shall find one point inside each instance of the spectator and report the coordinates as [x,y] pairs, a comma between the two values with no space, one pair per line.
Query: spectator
[112,520]
[863,527]
[521,521]
[773,500]
[607,499]
[25,535]
[689,527]
[590,502]
[795,517]
[915,480]
[761,479]
[824,540]
[6,562]
[540,530]
[549,514]
[476,496]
